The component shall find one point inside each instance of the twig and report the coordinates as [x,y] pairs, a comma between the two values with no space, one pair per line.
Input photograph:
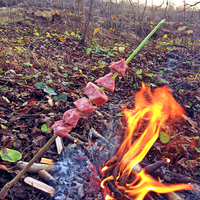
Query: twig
[13,181]
[73,139]
[93,132]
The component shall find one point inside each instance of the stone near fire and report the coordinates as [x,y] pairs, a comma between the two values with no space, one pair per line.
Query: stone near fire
[61,129]
[93,92]
[84,106]
[71,116]
[107,82]
[119,67]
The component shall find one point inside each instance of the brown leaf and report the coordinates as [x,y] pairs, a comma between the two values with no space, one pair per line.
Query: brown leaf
[3,102]
[183,150]
[36,130]
[8,141]
[50,101]
[23,111]
[32,102]
[23,136]
[3,167]
[40,139]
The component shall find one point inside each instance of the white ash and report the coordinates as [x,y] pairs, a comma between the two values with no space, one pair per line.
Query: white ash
[76,176]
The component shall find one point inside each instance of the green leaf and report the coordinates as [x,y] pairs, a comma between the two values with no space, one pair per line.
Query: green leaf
[150,75]
[135,86]
[67,83]
[120,113]
[63,97]
[164,137]
[139,76]
[40,85]
[44,127]
[27,64]
[65,75]
[196,138]
[88,50]
[49,90]
[55,98]
[111,54]
[138,72]
[3,126]
[161,80]
[10,155]
[1,71]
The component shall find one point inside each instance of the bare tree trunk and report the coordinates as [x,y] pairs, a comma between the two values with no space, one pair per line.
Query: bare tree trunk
[142,17]
[87,23]
[83,4]
[166,9]
[134,13]
[184,9]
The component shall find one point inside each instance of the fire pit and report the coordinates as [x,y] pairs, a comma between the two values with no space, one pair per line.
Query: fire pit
[78,171]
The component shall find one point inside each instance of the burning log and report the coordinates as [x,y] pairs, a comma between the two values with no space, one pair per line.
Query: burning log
[173,196]
[151,168]
[35,167]
[40,186]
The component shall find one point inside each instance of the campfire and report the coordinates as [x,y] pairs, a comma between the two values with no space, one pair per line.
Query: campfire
[122,179]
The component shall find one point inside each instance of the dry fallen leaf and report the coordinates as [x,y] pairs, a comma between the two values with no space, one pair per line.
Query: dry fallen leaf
[3,167]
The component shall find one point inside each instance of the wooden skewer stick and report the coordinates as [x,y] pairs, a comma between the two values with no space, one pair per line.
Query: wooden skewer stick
[40,186]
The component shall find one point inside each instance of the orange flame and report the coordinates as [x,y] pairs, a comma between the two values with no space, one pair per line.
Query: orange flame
[108,197]
[157,107]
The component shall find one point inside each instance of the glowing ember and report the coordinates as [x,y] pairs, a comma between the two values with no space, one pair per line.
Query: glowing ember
[156,107]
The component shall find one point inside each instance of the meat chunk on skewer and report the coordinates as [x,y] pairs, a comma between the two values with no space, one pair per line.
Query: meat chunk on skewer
[84,106]
[71,116]
[61,129]
[94,94]
[107,82]
[119,67]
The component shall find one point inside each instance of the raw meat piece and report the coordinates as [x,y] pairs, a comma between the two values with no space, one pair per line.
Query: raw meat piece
[107,82]
[93,92]
[119,67]
[71,116]
[61,129]
[84,106]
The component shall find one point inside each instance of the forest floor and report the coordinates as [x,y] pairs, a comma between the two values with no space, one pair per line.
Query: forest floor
[43,73]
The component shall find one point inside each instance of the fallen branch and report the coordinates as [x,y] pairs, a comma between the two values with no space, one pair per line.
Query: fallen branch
[35,167]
